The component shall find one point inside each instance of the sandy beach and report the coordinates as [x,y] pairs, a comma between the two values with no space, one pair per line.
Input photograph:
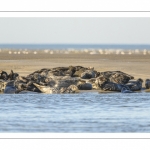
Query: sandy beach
[25,62]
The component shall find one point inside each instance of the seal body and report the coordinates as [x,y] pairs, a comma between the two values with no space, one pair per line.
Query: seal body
[85,86]
[147,83]
[10,88]
[49,90]
[88,74]
[110,86]
[3,75]
[68,80]
[135,85]
[2,85]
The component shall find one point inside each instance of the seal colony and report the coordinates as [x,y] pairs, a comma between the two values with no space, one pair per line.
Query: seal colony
[70,79]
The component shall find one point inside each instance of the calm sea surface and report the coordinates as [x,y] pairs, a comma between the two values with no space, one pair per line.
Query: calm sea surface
[83,112]
[73,46]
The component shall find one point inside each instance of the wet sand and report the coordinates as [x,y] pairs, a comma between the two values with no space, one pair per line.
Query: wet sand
[24,63]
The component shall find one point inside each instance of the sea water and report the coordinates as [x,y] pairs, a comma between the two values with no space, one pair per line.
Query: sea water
[74,46]
[86,112]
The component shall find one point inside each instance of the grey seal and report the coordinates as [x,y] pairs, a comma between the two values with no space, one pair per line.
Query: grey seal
[110,86]
[49,90]
[3,75]
[2,85]
[85,86]
[147,83]
[10,88]
[120,77]
[88,74]
[135,85]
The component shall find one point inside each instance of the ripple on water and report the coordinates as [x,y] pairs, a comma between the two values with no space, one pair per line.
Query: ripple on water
[83,112]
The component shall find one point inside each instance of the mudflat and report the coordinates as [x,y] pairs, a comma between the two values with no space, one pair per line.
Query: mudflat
[24,63]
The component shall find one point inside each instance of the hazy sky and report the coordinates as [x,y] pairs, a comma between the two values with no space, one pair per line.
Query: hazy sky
[75,30]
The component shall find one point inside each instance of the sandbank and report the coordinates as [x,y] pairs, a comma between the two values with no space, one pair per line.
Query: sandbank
[26,62]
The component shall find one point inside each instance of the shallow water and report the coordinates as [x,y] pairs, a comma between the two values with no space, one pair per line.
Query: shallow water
[82,113]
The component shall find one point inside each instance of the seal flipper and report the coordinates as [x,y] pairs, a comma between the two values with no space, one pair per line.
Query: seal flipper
[43,89]
[125,90]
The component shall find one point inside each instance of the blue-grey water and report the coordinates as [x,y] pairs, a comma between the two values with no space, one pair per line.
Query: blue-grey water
[75,46]
[76,113]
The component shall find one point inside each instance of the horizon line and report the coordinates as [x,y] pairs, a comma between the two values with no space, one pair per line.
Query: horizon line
[74,44]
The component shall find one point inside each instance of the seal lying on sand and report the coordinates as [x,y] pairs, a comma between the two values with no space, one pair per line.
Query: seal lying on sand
[10,88]
[67,80]
[98,83]
[135,85]
[56,82]
[23,83]
[120,78]
[85,73]
[132,85]
[147,83]
[73,71]
[88,74]
[12,75]
[117,76]
[110,86]
[3,75]
[7,87]
[105,84]
[85,86]
[49,90]
[2,85]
